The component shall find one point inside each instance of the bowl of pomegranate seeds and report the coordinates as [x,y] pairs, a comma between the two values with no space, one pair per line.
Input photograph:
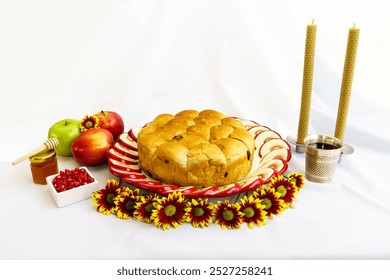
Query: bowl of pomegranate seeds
[72,185]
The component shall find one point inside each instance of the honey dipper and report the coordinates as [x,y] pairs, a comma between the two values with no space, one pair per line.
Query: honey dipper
[49,144]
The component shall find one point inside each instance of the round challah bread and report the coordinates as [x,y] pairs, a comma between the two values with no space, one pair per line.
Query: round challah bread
[195,148]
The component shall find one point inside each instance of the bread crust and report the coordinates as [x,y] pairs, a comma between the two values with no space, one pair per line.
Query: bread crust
[194,148]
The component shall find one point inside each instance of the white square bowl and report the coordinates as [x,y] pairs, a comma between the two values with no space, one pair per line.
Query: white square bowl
[73,195]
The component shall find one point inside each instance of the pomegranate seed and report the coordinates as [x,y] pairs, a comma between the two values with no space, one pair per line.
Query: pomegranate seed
[71,178]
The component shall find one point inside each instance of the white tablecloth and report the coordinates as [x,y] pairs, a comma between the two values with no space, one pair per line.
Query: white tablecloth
[66,59]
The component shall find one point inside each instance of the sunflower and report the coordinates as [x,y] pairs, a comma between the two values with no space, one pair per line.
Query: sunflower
[199,212]
[103,199]
[125,203]
[271,200]
[285,188]
[228,215]
[89,122]
[144,208]
[297,179]
[253,211]
[170,211]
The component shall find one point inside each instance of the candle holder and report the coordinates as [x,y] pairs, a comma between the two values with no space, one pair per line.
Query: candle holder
[301,148]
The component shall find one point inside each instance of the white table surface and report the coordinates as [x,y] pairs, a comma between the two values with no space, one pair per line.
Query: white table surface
[66,59]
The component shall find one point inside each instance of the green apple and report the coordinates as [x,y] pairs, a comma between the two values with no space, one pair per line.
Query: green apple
[65,131]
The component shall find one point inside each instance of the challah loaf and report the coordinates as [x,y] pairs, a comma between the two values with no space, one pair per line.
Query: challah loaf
[195,148]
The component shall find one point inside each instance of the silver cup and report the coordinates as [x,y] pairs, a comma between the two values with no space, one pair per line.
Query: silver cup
[322,154]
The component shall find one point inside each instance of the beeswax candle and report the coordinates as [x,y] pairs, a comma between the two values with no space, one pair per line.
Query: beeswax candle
[346,84]
[307,83]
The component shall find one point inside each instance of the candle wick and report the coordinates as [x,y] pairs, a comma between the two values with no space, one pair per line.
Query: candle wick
[312,22]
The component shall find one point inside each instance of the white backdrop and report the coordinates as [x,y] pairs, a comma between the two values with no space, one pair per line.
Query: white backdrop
[66,59]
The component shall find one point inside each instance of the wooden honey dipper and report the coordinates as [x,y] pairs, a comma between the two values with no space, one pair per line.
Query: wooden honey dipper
[49,144]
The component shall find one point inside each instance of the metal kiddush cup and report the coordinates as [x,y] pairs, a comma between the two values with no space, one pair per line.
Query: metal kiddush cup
[322,156]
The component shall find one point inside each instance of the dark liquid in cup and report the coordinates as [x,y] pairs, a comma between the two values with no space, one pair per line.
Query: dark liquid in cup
[323,146]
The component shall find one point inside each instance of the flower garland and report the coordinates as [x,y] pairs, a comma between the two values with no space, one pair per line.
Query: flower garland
[173,210]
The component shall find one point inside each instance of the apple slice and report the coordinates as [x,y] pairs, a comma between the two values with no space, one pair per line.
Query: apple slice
[256,130]
[121,169]
[116,172]
[265,173]
[113,154]
[283,153]
[128,142]
[273,144]
[133,176]
[265,135]
[203,192]
[124,151]
[131,167]
[277,164]
[147,183]
[159,189]
[134,132]
[188,190]
[250,183]
[248,123]
[227,190]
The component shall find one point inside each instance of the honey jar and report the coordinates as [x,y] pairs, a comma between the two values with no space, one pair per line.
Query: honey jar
[43,165]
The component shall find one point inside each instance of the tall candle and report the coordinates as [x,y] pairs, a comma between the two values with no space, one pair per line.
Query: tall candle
[307,83]
[346,84]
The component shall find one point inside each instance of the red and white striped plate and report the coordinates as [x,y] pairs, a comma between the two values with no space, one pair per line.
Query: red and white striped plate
[271,158]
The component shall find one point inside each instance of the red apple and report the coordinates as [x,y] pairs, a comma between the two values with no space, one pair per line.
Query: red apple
[90,147]
[111,121]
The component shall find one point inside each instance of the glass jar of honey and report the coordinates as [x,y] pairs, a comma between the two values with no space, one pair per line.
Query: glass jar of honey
[42,165]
